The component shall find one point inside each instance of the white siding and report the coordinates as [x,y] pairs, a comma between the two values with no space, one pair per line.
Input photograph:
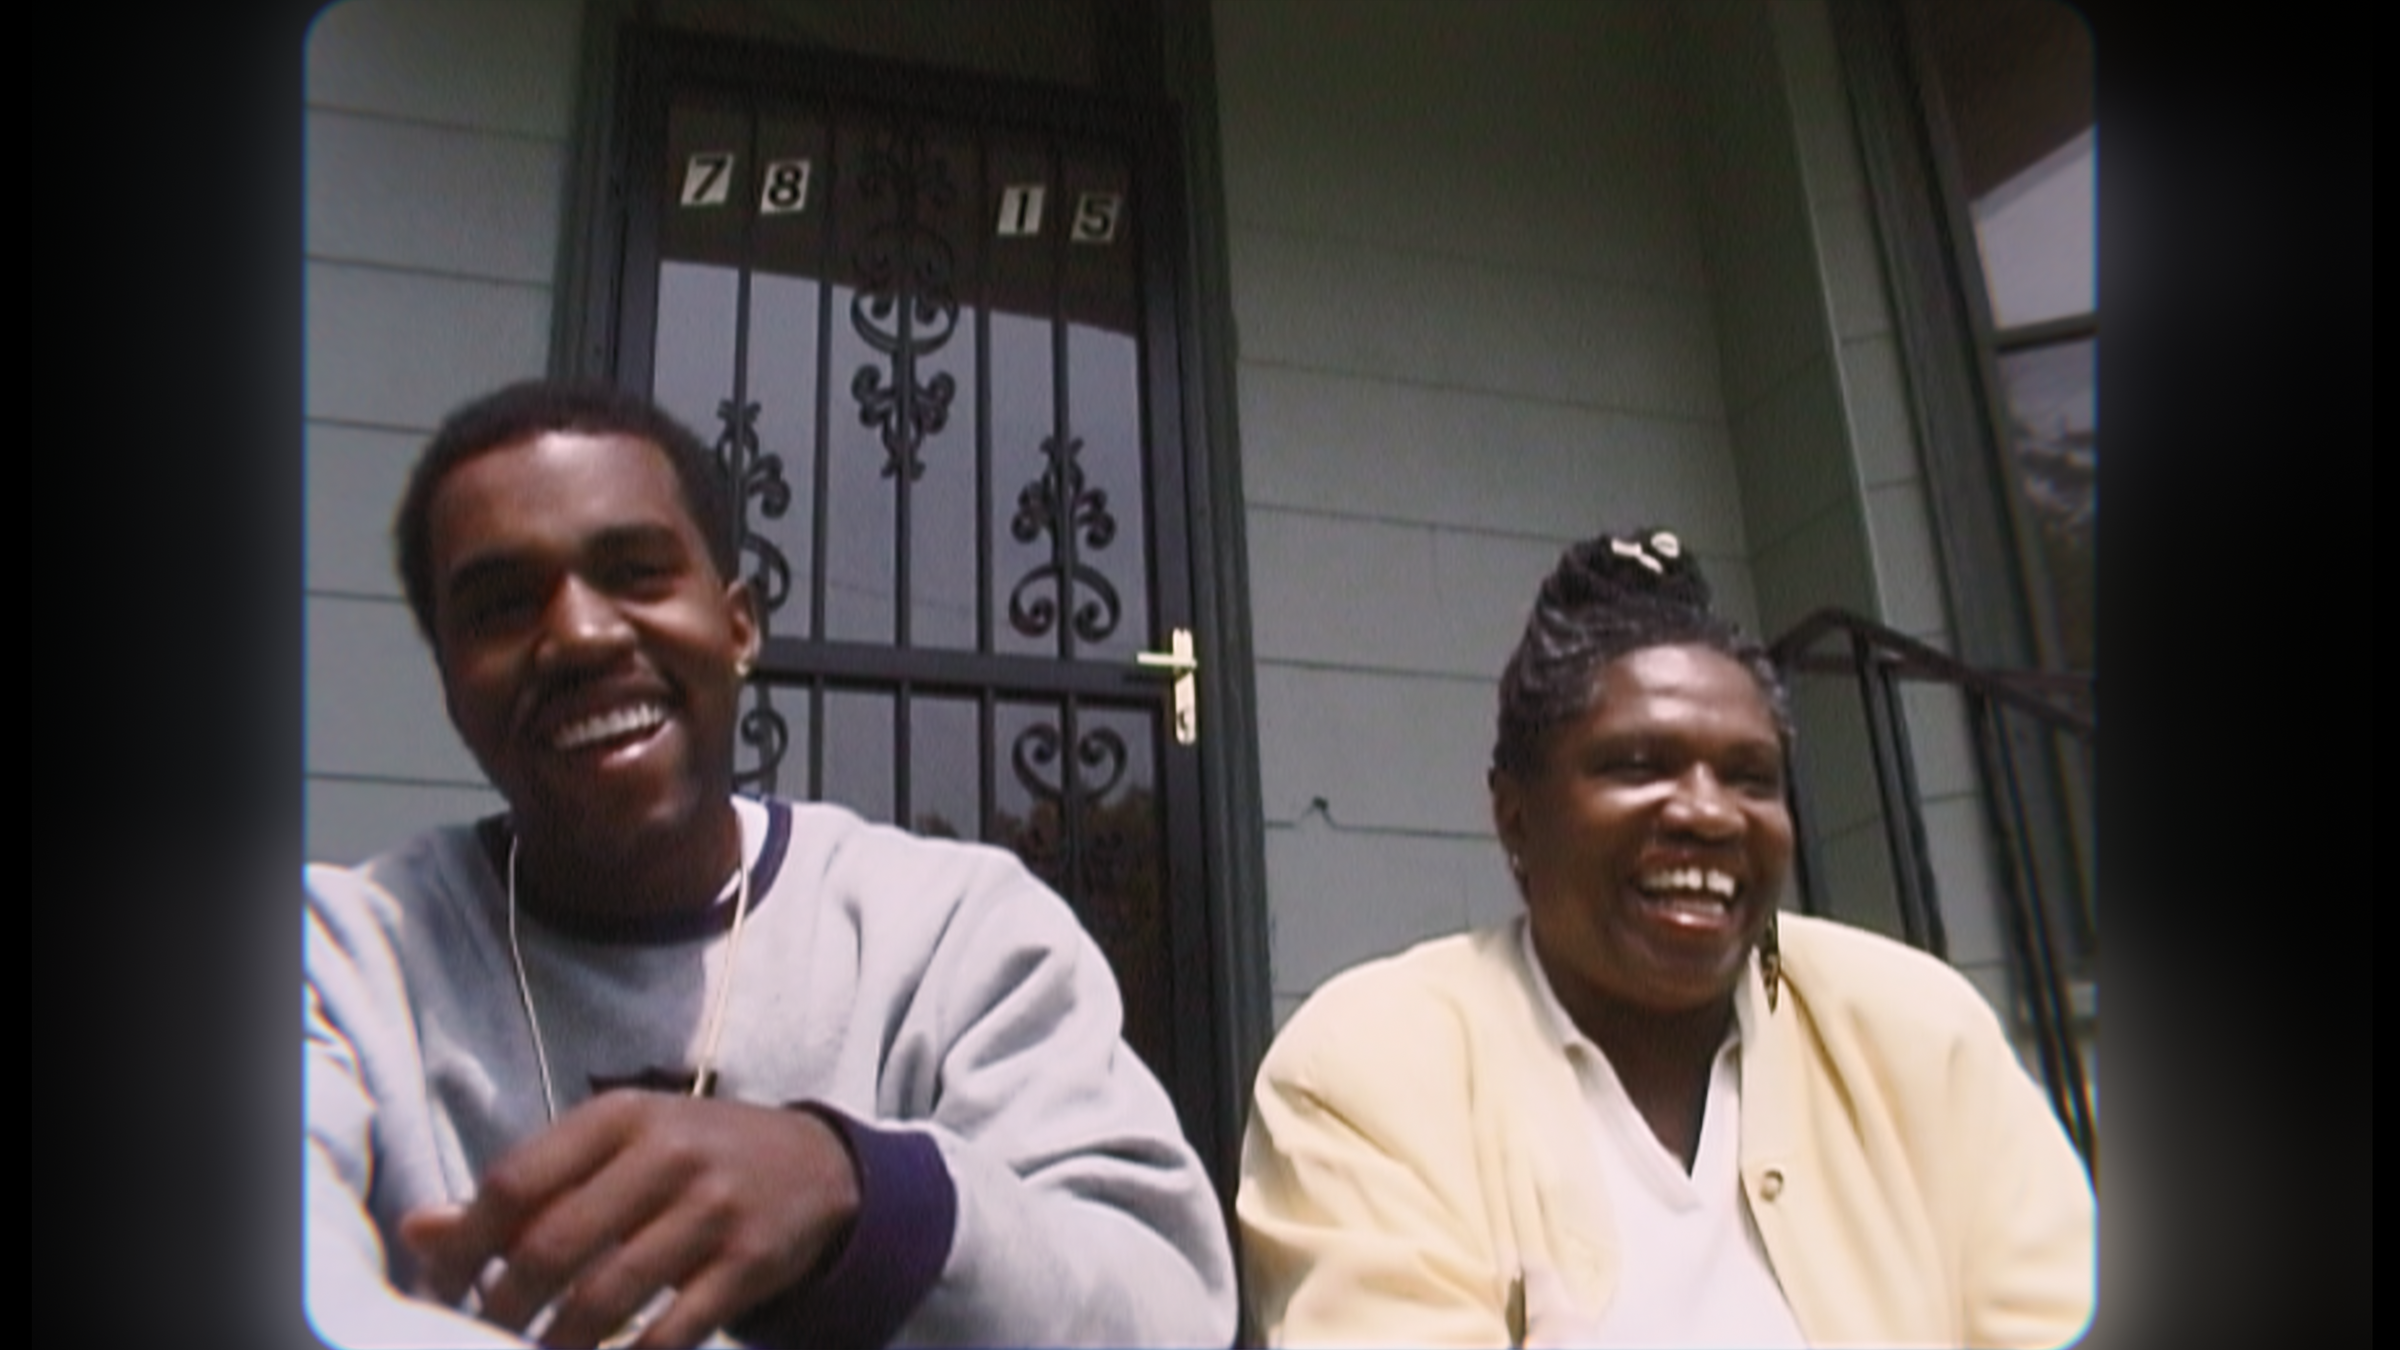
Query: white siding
[1474,326]
[436,144]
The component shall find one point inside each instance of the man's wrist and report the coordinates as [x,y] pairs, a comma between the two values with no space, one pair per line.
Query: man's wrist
[849,1200]
[888,1256]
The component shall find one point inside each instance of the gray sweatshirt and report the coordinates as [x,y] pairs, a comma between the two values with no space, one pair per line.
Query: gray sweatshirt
[1024,1179]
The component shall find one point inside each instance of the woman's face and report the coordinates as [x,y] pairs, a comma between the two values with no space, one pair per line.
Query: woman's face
[1653,837]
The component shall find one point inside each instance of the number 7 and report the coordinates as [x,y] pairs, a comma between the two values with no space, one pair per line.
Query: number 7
[706,179]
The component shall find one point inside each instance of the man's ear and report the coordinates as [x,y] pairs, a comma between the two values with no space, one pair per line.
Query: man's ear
[741,617]
[441,674]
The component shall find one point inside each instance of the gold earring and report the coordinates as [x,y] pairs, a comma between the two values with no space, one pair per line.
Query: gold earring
[1770,961]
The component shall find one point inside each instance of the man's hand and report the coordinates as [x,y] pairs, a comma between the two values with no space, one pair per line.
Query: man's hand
[633,1193]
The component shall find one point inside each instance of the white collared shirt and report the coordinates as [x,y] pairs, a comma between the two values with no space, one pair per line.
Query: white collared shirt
[1695,1271]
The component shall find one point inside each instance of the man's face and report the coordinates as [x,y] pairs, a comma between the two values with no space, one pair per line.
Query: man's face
[587,645]
[1654,836]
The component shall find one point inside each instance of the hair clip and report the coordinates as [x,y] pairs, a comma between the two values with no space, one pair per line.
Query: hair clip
[1665,545]
[1628,548]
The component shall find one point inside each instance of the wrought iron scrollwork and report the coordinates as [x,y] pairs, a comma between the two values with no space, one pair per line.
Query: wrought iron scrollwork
[1100,753]
[1060,505]
[757,478]
[906,307]
[1103,855]
[763,730]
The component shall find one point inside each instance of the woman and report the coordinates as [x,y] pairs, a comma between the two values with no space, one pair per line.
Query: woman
[1653,1112]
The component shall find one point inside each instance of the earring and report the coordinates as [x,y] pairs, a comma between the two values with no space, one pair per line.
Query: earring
[1770,961]
[741,668]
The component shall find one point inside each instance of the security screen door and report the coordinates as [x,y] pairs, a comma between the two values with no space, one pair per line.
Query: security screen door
[930,329]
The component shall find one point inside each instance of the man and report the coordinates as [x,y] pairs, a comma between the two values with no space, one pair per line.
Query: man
[639,1059]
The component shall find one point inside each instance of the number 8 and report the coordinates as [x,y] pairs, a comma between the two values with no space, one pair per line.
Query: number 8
[786,189]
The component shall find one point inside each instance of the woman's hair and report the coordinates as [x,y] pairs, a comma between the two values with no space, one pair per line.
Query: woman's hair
[1606,598]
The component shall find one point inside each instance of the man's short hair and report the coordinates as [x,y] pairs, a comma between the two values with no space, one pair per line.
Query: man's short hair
[528,409]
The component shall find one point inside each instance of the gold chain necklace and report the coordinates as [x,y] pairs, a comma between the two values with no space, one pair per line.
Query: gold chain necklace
[705,1076]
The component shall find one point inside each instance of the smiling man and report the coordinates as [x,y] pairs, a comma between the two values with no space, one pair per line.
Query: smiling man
[642,1061]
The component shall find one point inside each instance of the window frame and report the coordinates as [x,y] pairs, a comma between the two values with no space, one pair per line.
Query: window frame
[2002,616]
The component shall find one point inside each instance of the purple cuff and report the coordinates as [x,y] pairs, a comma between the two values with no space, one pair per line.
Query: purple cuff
[859,1296]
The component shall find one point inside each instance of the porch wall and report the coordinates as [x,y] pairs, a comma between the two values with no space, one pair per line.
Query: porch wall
[1475,324]
[1506,276]
[436,152]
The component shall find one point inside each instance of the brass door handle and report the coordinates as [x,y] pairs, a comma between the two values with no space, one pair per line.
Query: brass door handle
[1180,661]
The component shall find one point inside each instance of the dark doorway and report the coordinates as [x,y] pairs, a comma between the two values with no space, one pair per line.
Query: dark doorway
[930,321]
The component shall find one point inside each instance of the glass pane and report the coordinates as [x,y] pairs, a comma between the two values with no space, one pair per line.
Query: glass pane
[780,505]
[858,751]
[2053,397]
[692,378]
[1021,281]
[1077,792]
[1102,493]
[2016,79]
[861,512]
[945,779]
[1024,593]
[1122,873]
[942,498]
[2038,233]
[1101,496]
[899,214]
[941,571]
[1028,785]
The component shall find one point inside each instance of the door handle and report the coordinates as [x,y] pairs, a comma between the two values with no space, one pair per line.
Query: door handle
[1180,662]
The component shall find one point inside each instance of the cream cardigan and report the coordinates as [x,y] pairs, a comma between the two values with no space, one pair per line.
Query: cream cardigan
[1417,1146]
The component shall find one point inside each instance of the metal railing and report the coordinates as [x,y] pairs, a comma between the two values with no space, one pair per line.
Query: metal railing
[1880,660]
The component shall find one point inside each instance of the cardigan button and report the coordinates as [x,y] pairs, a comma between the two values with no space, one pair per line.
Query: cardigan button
[1771,1184]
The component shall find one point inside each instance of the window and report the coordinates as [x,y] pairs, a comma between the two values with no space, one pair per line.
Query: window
[1980,143]
[2014,82]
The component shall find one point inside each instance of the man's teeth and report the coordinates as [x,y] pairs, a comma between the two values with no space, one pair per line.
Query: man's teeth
[608,726]
[1691,881]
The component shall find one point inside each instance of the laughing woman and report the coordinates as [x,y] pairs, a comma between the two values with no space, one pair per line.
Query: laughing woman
[1651,1111]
